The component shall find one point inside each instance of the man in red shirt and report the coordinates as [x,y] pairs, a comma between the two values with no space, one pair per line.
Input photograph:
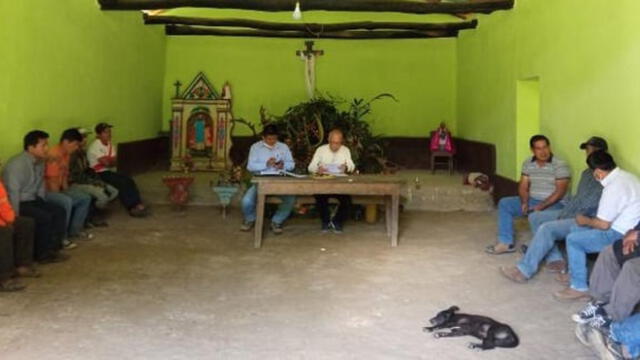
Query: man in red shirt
[16,246]
[75,202]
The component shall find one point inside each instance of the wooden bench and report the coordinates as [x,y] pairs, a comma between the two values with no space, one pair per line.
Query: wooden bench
[308,200]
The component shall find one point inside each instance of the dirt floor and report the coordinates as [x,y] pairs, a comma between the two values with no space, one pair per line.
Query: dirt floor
[191,286]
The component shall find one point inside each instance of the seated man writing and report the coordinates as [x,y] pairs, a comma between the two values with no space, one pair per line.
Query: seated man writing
[268,156]
[618,212]
[332,158]
[551,226]
[543,184]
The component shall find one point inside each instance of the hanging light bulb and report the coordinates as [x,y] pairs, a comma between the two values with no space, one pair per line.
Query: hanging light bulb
[297,13]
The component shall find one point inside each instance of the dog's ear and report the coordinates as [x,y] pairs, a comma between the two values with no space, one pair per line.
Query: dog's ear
[454,308]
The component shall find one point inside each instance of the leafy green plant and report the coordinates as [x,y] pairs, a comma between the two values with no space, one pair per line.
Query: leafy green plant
[305,126]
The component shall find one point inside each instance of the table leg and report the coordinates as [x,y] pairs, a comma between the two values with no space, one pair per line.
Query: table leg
[395,218]
[387,214]
[257,242]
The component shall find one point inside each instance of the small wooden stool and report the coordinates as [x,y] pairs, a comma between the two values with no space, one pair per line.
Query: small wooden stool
[441,154]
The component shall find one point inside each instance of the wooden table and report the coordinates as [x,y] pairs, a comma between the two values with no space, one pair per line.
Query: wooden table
[379,185]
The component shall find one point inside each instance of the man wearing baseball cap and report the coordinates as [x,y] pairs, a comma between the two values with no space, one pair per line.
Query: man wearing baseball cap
[102,159]
[554,225]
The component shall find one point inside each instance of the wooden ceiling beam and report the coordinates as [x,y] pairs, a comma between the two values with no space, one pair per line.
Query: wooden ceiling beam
[182,30]
[402,6]
[308,27]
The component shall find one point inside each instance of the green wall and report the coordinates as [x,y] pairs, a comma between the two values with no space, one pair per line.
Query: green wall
[586,54]
[66,63]
[262,71]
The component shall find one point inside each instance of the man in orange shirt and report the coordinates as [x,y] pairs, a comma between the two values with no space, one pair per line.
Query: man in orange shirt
[16,246]
[76,203]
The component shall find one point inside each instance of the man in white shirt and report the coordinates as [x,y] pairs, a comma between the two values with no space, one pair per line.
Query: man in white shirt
[618,212]
[333,159]
[102,159]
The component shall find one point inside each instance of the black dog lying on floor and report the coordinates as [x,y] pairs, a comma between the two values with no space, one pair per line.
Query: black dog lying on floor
[492,333]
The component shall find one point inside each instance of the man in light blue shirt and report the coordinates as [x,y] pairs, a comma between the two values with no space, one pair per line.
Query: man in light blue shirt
[268,156]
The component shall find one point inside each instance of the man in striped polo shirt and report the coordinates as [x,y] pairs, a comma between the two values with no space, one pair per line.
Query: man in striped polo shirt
[543,185]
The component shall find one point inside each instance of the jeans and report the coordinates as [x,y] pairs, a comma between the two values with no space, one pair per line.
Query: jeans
[76,205]
[580,242]
[249,206]
[127,188]
[103,195]
[509,208]
[543,245]
[16,246]
[627,332]
[50,220]
[616,285]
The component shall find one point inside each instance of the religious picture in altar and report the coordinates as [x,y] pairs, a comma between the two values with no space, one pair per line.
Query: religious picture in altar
[200,132]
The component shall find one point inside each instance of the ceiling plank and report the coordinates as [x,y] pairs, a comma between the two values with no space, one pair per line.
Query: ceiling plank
[402,6]
[308,27]
[181,30]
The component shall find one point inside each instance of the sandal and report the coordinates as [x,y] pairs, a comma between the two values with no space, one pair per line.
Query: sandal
[28,272]
[11,285]
[499,249]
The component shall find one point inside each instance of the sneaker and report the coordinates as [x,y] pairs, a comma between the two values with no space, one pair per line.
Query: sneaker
[247,225]
[325,228]
[138,213]
[337,229]
[500,248]
[557,267]
[600,320]
[85,235]
[69,245]
[583,333]
[569,295]
[513,273]
[587,314]
[276,228]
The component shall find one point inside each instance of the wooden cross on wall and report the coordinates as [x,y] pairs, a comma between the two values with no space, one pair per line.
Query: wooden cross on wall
[309,51]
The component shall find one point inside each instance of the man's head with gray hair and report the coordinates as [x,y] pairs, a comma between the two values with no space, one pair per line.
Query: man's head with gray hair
[335,139]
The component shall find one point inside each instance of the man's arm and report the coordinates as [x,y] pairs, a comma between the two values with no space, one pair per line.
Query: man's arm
[593,222]
[313,165]
[13,179]
[254,164]
[561,189]
[289,163]
[523,192]
[350,165]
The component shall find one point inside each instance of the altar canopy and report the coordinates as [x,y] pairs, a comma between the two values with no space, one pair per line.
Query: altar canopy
[201,127]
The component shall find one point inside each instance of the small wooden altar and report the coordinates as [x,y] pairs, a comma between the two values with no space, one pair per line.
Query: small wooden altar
[201,127]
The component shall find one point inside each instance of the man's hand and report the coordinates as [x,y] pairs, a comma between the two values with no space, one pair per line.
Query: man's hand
[271,162]
[630,242]
[343,168]
[525,208]
[322,169]
[539,207]
[279,164]
[583,220]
